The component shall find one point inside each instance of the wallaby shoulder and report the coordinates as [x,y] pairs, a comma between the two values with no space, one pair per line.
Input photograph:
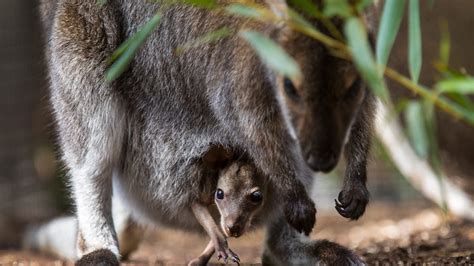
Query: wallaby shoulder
[82,27]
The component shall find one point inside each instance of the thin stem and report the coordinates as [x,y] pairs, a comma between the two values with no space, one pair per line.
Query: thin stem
[319,36]
[329,25]
[441,102]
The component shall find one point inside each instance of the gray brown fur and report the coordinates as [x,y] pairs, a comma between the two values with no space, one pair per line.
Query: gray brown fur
[153,125]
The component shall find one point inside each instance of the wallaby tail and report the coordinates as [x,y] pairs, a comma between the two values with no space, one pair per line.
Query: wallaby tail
[56,237]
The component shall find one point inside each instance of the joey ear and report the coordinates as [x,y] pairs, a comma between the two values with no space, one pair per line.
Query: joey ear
[217,157]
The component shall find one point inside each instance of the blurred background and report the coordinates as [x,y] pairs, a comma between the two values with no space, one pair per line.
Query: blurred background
[32,178]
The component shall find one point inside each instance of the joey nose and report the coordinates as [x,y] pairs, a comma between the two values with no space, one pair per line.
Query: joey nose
[323,163]
[235,230]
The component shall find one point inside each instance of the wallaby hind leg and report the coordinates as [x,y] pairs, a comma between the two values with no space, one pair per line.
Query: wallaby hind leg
[284,246]
[59,236]
[90,118]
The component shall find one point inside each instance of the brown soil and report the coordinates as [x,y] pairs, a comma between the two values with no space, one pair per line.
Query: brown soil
[386,235]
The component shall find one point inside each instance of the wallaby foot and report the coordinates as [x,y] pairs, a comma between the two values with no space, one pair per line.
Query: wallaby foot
[284,246]
[101,257]
[352,201]
[329,253]
[321,252]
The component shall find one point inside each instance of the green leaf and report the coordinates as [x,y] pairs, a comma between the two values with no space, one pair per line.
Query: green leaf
[462,100]
[306,6]
[459,110]
[245,11]
[300,20]
[339,8]
[363,57]
[206,38]
[124,54]
[462,85]
[390,23]
[363,4]
[200,3]
[272,54]
[416,125]
[414,40]
[101,2]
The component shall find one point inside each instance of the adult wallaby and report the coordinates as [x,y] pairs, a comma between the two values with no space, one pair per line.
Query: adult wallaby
[149,126]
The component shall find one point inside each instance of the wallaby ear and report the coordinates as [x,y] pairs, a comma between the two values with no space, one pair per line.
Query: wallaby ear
[217,157]
[278,7]
[370,19]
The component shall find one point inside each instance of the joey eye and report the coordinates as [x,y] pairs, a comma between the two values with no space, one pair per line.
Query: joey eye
[219,194]
[290,89]
[256,197]
[354,89]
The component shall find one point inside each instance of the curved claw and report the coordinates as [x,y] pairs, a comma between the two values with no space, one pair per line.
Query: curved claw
[351,204]
[340,199]
[235,259]
[222,255]
[341,211]
[338,204]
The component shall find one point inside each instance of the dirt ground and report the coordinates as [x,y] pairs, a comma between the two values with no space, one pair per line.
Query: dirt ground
[386,235]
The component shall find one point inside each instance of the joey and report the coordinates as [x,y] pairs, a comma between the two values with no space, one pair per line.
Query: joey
[238,197]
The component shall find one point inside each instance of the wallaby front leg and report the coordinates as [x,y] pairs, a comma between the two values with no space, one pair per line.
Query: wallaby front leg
[218,240]
[354,196]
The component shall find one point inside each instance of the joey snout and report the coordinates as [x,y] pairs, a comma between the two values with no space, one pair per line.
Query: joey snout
[234,227]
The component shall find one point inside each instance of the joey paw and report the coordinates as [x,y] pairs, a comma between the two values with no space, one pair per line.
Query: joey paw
[351,202]
[227,254]
[101,257]
[300,213]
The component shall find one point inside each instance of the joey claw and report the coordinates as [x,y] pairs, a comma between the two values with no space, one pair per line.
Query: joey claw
[222,255]
[226,254]
[236,260]
[234,257]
